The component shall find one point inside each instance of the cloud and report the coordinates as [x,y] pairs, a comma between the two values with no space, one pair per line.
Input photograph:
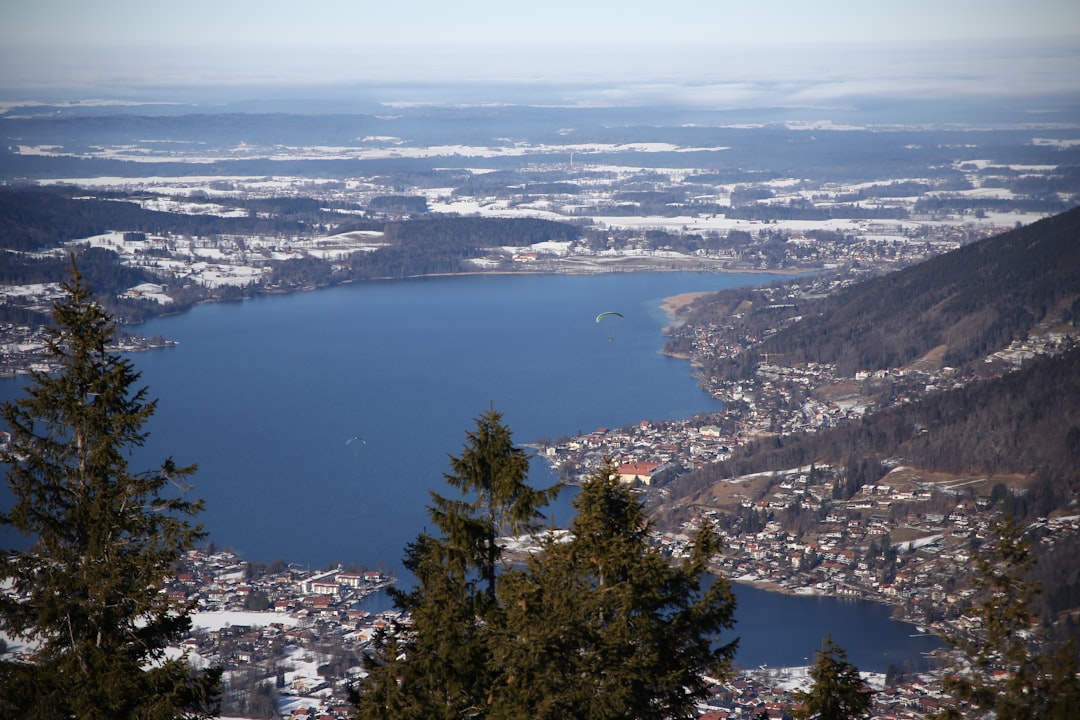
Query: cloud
[806,75]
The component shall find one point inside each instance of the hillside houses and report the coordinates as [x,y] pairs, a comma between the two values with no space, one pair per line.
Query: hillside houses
[921,572]
[645,449]
[273,619]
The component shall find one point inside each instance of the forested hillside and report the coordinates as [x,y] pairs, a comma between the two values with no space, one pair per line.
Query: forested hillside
[434,245]
[1024,423]
[1013,441]
[962,304]
[973,300]
[35,218]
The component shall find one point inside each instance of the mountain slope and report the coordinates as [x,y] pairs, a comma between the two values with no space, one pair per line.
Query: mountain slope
[964,305]
[1024,423]
[972,301]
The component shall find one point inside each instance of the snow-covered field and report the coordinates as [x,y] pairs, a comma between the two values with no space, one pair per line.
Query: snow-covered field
[227,618]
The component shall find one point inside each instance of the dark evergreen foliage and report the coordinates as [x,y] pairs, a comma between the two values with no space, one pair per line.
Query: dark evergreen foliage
[428,246]
[470,232]
[1008,671]
[968,303]
[37,218]
[446,670]
[86,597]
[599,626]
[404,204]
[973,300]
[837,691]
[33,219]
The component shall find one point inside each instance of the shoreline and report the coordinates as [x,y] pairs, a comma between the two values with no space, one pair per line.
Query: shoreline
[676,304]
[772,586]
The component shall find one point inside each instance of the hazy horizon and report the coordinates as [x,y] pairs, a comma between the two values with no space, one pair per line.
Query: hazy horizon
[832,57]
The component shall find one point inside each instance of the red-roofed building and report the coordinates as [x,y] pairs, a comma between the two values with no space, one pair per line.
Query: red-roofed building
[638,472]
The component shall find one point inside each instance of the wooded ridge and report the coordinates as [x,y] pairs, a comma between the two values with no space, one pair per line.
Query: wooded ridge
[966,303]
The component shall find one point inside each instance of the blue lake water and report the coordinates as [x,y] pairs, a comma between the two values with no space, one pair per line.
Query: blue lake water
[265,395]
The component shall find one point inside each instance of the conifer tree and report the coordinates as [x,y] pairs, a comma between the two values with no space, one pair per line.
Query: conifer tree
[601,625]
[442,667]
[1003,672]
[496,500]
[87,597]
[837,691]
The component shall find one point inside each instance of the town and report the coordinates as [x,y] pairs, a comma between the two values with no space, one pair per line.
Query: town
[292,639]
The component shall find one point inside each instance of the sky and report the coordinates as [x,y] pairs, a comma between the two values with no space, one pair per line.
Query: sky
[825,49]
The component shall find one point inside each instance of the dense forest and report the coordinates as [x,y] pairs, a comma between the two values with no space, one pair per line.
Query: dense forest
[100,267]
[1021,430]
[434,245]
[32,219]
[973,300]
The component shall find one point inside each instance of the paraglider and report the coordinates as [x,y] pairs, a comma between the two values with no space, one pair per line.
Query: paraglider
[355,438]
[605,315]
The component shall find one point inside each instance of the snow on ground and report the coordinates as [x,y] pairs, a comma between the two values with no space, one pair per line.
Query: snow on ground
[440,199]
[787,678]
[210,253]
[392,149]
[220,275]
[532,543]
[1054,142]
[917,543]
[300,680]
[551,247]
[43,290]
[483,262]
[150,291]
[489,209]
[219,619]
[192,208]
[798,678]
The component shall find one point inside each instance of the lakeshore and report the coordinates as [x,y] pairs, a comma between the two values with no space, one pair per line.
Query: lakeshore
[276,457]
[303,607]
[676,304]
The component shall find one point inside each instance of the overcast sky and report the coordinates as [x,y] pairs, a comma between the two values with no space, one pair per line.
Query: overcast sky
[115,44]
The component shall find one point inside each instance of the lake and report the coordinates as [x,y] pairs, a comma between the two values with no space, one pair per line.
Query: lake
[321,421]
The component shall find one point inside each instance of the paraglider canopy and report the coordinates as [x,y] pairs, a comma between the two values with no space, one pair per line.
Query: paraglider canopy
[603,315]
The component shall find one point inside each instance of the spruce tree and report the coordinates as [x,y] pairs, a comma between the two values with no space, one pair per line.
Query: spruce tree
[837,691]
[598,625]
[601,625]
[1005,670]
[490,475]
[86,599]
[441,665]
